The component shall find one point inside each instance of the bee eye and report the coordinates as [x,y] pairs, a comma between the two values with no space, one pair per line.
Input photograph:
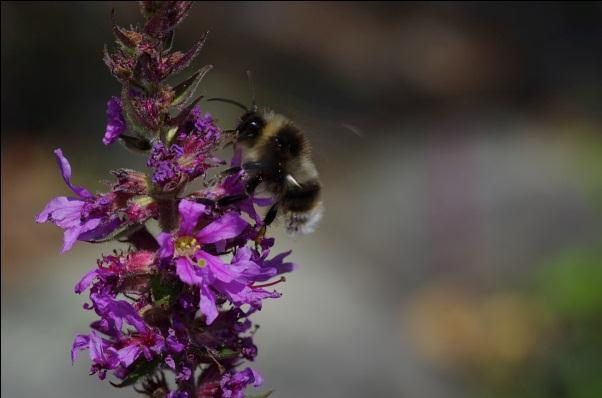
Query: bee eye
[250,129]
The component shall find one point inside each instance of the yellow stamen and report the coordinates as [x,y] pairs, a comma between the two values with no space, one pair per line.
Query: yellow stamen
[186,246]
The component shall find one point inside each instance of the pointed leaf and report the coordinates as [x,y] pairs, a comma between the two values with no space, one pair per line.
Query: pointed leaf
[166,17]
[188,57]
[185,90]
[134,119]
[120,33]
[136,143]
[266,395]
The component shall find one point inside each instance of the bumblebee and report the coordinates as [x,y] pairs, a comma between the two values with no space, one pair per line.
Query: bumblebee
[278,156]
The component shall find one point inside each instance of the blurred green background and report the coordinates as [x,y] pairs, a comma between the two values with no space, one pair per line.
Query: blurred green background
[460,147]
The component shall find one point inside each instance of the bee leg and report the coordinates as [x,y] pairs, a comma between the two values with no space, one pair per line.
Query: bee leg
[248,166]
[224,201]
[232,170]
[253,183]
[271,215]
[254,166]
[205,201]
[267,220]
[228,200]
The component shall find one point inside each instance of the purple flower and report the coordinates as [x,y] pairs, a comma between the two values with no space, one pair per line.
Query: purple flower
[115,121]
[86,217]
[103,356]
[195,266]
[205,125]
[146,343]
[234,384]
[188,156]
[179,301]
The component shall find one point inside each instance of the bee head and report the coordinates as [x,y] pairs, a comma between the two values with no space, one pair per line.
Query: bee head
[250,126]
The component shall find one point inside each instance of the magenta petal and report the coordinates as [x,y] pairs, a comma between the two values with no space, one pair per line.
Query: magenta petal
[227,226]
[65,168]
[189,215]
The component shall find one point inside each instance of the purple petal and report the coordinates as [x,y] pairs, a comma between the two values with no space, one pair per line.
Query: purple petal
[129,354]
[218,269]
[177,394]
[64,212]
[173,344]
[96,348]
[242,254]
[101,353]
[184,374]
[69,239]
[170,362]
[189,215]
[86,281]
[228,226]
[278,263]
[81,342]
[207,304]
[100,229]
[118,310]
[166,247]
[115,121]
[187,272]
[72,234]
[65,168]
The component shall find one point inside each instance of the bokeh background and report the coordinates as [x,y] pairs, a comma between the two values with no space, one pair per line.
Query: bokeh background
[460,148]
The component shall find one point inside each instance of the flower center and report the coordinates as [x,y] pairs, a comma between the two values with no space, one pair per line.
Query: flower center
[186,246]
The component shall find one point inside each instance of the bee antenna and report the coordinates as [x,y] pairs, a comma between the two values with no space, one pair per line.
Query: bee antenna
[252,87]
[229,101]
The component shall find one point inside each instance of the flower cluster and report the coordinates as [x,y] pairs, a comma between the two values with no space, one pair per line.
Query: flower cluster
[179,299]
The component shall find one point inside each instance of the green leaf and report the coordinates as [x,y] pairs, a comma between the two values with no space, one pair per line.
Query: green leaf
[121,232]
[143,368]
[226,353]
[267,394]
[161,291]
[136,143]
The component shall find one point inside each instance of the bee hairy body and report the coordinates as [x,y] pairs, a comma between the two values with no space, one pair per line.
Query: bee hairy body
[278,154]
